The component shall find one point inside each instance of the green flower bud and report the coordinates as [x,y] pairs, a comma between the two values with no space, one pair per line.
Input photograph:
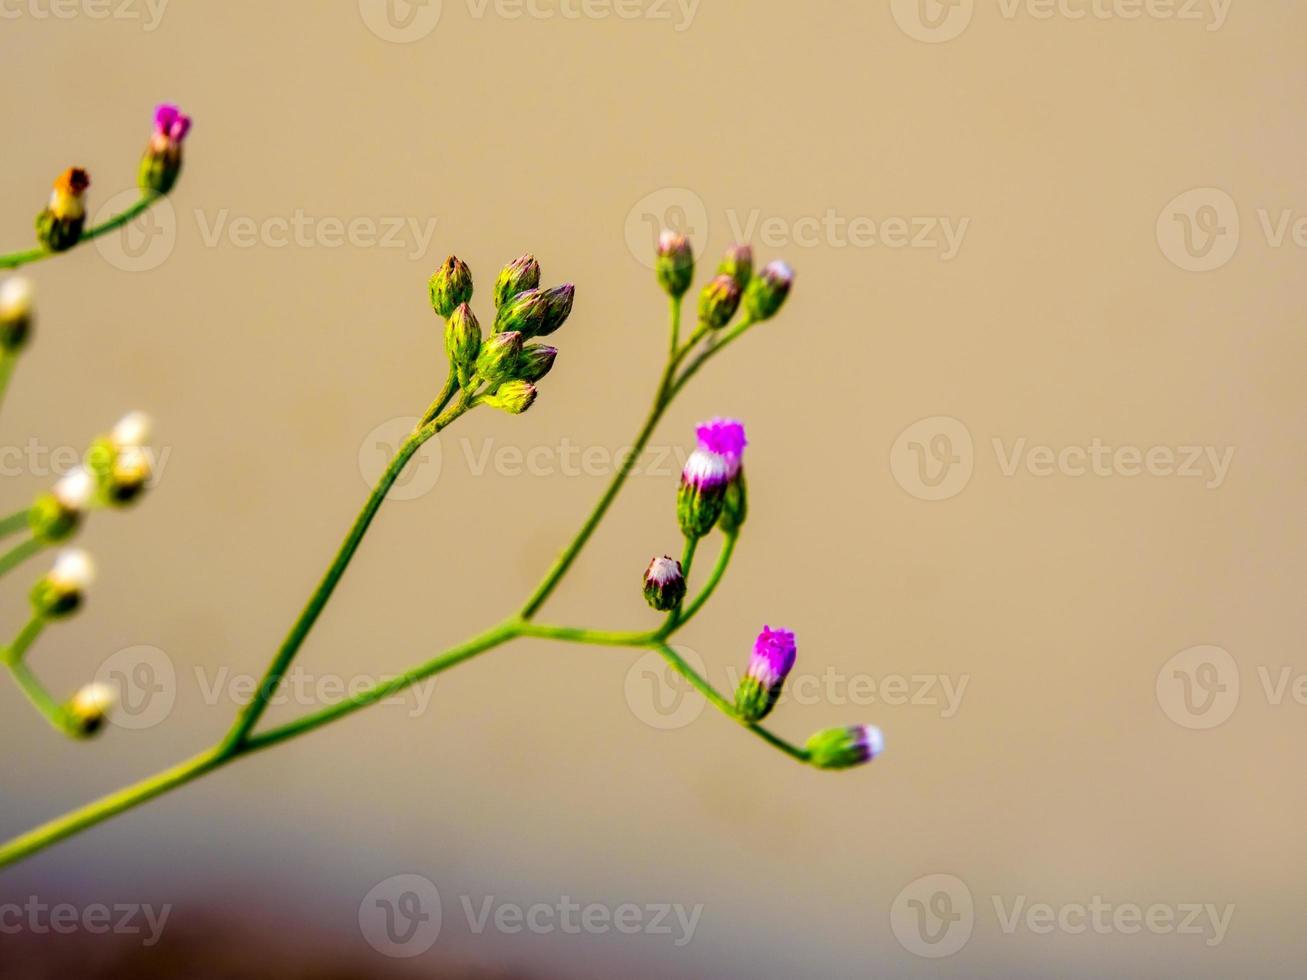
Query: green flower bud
[121,472]
[162,162]
[664,584]
[497,360]
[674,265]
[60,591]
[59,226]
[463,342]
[536,361]
[89,709]
[56,515]
[513,397]
[719,301]
[525,313]
[843,748]
[451,287]
[558,307]
[738,264]
[735,505]
[768,291]
[15,313]
[516,278]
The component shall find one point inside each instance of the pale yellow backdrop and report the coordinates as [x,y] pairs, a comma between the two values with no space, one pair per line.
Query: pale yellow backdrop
[1064,235]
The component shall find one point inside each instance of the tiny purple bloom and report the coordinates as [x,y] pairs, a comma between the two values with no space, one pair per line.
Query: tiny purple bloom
[868,741]
[773,656]
[171,123]
[724,438]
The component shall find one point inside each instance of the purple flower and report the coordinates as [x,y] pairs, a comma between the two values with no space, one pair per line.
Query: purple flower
[772,660]
[171,124]
[707,473]
[725,438]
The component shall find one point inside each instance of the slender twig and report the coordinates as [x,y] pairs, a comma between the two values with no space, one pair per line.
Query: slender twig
[14,259]
[15,522]
[19,553]
[682,616]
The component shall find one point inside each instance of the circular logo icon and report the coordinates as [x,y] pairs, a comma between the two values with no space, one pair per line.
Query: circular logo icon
[1199,688]
[1199,230]
[933,459]
[933,21]
[145,242]
[145,682]
[400,21]
[933,916]
[378,448]
[667,209]
[659,696]
[400,917]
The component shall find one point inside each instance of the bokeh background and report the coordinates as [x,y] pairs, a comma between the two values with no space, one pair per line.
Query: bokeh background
[1020,229]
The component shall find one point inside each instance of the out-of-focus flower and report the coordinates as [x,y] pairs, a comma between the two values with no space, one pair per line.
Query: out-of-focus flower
[162,162]
[59,226]
[674,264]
[768,291]
[60,591]
[843,748]
[89,709]
[15,313]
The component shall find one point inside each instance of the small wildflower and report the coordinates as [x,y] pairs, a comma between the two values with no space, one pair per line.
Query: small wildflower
[719,301]
[15,313]
[463,342]
[162,162]
[119,462]
[133,429]
[497,360]
[725,438]
[525,313]
[59,226]
[768,291]
[513,397]
[772,660]
[674,265]
[664,584]
[537,360]
[61,590]
[843,748]
[450,287]
[89,709]
[558,307]
[57,513]
[516,278]
[738,264]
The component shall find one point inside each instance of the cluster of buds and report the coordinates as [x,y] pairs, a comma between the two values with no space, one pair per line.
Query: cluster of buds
[162,162]
[16,316]
[508,363]
[116,472]
[734,285]
[59,226]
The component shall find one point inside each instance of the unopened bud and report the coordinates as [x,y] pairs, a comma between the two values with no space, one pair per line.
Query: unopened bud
[497,360]
[56,514]
[516,278]
[735,505]
[773,658]
[513,397]
[59,226]
[536,361]
[664,584]
[162,162]
[15,313]
[463,343]
[713,465]
[89,709]
[558,307]
[525,313]
[60,591]
[843,748]
[738,264]
[674,265]
[719,301]
[121,472]
[450,287]
[768,291]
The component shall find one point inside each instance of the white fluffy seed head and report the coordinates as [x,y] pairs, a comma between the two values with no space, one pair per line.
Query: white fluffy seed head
[75,488]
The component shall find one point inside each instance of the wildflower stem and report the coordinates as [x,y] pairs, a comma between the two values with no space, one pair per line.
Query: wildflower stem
[249,717]
[16,650]
[442,400]
[606,638]
[15,259]
[15,522]
[7,361]
[683,616]
[50,709]
[676,324]
[18,554]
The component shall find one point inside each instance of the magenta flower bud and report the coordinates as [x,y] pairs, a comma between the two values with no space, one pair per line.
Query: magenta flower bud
[767,293]
[843,748]
[536,361]
[773,659]
[162,162]
[738,264]
[674,264]
[664,584]
[719,301]
[707,474]
[558,307]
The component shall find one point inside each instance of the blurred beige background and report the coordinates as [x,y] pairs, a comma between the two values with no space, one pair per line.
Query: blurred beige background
[989,209]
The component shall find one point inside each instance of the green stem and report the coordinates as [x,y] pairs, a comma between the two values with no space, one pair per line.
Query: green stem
[51,709]
[708,354]
[676,324]
[7,361]
[19,553]
[572,634]
[18,521]
[683,616]
[250,716]
[15,259]
[442,400]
